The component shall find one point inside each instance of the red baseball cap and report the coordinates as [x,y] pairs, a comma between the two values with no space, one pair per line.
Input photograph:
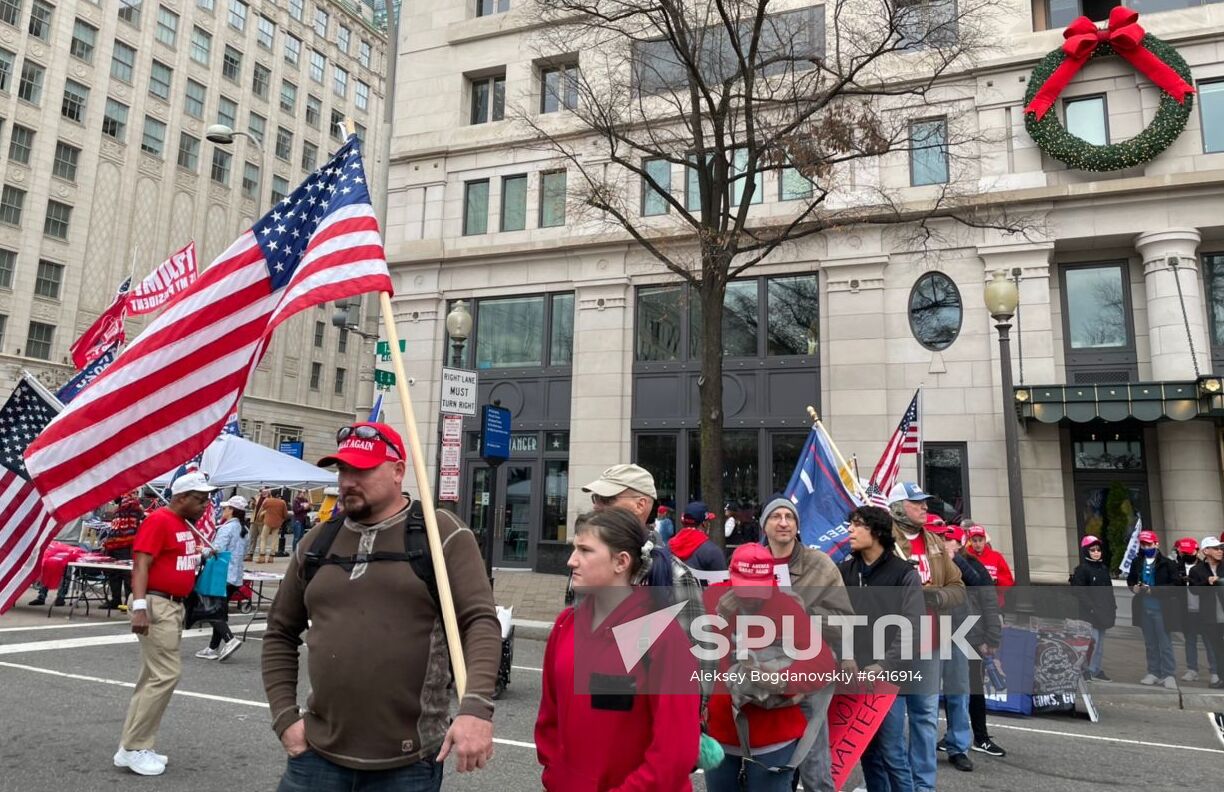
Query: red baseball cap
[1149,537]
[935,523]
[752,567]
[977,530]
[385,445]
[955,532]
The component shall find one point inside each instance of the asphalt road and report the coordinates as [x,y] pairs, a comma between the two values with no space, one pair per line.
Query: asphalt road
[64,691]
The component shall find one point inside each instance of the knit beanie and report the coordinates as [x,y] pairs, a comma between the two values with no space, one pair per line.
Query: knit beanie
[774,505]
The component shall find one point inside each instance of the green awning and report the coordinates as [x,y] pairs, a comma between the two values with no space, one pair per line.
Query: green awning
[1148,402]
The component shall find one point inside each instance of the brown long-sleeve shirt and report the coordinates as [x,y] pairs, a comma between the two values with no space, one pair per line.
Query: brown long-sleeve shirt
[378,661]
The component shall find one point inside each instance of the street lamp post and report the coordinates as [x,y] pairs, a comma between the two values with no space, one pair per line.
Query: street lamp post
[1002,297]
[458,327]
[222,135]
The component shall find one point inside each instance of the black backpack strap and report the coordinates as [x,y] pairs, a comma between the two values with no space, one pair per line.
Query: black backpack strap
[416,547]
[317,555]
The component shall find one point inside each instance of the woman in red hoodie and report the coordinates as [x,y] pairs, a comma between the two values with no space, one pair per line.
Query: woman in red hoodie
[631,732]
[774,734]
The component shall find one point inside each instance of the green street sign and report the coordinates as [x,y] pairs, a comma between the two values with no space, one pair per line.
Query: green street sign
[384,379]
[383,349]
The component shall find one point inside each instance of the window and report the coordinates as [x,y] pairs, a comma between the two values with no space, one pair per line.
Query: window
[65,163]
[114,121]
[475,207]
[320,21]
[310,155]
[561,330]
[344,37]
[285,434]
[1087,119]
[1211,115]
[237,15]
[49,280]
[935,311]
[692,183]
[293,49]
[1060,13]
[123,62]
[30,88]
[792,316]
[12,202]
[75,98]
[284,144]
[488,99]
[40,20]
[296,8]
[8,262]
[337,125]
[209,6]
[160,76]
[220,172]
[39,340]
[6,69]
[658,325]
[314,111]
[280,188]
[129,12]
[227,112]
[1096,313]
[189,152]
[21,141]
[363,54]
[201,46]
[340,381]
[167,26]
[319,329]
[153,140]
[925,24]
[1213,276]
[257,127]
[510,333]
[194,102]
[741,316]
[231,64]
[84,40]
[261,81]
[288,96]
[929,152]
[1107,450]
[739,186]
[552,199]
[265,34]
[653,200]
[250,180]
[55,224]
[559,88]
[514,203]
[342,341]
[793,185]
[10,12]
[340,82]
[490,7]
[945,468]
[318,64]
[361,96]
[316,374]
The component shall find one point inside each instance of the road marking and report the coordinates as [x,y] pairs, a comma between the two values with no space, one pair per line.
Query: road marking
[100,640]
[120,683]
[527,668]
[1102,738]
[115,623]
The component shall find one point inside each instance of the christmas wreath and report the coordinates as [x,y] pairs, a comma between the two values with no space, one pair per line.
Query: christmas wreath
[1152,57]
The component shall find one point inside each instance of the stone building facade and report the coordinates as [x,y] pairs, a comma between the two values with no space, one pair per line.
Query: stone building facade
[588,340]
[107,171]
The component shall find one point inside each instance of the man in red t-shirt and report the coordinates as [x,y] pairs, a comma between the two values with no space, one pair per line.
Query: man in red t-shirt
[165,559]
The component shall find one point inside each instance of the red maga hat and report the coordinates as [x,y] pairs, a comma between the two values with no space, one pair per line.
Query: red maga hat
[383,444]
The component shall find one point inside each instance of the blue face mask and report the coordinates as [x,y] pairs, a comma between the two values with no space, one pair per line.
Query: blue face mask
[1149,552]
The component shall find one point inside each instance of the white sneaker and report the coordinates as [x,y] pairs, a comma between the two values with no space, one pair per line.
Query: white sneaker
[229,648]
[1190,676]
[1170,682]
[207,653]
[143,762]
[1150,679]
[1215,679]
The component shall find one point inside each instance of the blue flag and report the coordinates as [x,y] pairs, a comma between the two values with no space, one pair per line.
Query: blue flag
[820,498]
[92,371]
[376,409]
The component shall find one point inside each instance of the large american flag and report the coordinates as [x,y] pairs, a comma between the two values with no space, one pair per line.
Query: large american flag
[906,440]
[25,524]
[170,391]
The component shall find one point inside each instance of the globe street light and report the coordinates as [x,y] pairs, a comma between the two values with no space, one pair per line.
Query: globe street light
[459,328]
[1002,297]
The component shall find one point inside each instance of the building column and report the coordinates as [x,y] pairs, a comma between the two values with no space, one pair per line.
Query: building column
[1188,451]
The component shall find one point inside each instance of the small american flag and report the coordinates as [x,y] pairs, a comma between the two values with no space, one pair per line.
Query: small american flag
[169,393]
[906,440]
[26,526]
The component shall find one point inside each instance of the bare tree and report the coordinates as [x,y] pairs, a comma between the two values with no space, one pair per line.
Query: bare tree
[728,90]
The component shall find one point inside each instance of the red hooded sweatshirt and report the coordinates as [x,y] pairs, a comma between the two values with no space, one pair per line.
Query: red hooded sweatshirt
[766,727]
[588,747]
[996,565]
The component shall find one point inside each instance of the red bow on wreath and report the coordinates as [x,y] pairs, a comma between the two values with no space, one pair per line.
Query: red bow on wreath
[1125,36]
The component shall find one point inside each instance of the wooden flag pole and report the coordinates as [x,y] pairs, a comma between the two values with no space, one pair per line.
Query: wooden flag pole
[841,460]
[424,494]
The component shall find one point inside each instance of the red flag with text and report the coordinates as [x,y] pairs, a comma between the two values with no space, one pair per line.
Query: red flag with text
[106,330]
[170,278]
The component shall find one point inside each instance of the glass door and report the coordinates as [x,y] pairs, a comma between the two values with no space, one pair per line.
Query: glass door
[520,485]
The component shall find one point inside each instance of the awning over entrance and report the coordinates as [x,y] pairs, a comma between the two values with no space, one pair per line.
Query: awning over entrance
[1142,401]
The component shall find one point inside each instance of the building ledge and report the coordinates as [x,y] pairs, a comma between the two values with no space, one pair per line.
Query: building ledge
[1148,402]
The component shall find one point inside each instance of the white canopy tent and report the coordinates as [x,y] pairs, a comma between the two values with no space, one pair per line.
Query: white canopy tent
[233,461]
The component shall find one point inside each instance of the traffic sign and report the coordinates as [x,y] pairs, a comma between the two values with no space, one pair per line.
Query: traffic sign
[494,433]
[458,392]
[452,428]
[383,349]
[384,378]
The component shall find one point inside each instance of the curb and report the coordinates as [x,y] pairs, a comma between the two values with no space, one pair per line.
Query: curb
[531,630]
[1118,693]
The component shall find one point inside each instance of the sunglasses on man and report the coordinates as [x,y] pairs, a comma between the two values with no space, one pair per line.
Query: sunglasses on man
[366,432]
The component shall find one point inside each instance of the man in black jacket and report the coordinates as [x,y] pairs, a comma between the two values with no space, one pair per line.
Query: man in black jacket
[881,583]
[1207,580]
[1153,579]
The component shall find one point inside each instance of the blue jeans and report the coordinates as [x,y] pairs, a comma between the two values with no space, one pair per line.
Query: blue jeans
[923,712]
[886,762]
[310,772]
[1160,662]
[956,702]
[1098,652]
[725,777]
[299,530]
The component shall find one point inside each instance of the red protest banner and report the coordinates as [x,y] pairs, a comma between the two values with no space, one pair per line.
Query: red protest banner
[854,719]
